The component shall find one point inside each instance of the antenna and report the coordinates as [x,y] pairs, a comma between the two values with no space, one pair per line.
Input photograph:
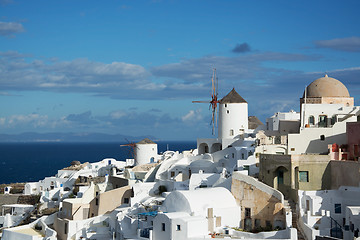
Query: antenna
[304,107]
[213,102]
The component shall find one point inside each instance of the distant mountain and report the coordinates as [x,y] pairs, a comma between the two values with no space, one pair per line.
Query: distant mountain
[70,137]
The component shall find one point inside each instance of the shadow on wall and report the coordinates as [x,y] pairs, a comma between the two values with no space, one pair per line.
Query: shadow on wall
[322,143]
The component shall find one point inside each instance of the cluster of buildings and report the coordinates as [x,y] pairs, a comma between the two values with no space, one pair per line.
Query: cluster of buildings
[296,177]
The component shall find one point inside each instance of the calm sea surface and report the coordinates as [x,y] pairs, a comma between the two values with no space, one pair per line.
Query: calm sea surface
[30,162]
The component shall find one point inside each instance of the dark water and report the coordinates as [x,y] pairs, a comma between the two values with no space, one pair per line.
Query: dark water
[28,162]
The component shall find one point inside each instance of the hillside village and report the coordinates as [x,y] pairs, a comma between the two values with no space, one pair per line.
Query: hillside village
[294,177]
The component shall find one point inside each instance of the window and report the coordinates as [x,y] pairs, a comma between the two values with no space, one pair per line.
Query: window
[126,200]
[322,121]
[227,111]
[172,173]
[322,137]
[231,132]
[233,155]
[311,120]
[278,140]
[268,224]
[65,228]
[178,227]
[247,212]
[225,105]
[96,201]
[242,155]
[292,149]
[257,223]
[333,120]
[163,227]
[337,208]
[303,176]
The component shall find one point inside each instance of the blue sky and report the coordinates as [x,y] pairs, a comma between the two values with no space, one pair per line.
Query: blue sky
[134,67]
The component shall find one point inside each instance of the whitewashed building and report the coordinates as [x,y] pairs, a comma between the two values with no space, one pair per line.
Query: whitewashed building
[194,214]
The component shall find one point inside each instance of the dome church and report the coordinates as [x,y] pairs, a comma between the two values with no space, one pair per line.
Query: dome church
[327,90]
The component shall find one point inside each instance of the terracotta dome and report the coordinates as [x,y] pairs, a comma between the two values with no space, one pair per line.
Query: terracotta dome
[326,87]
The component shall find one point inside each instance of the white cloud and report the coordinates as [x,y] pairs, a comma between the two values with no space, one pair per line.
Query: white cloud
[33,120]
[10,28]
[192,116]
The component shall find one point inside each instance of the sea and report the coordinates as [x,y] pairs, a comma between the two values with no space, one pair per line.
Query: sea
[31,162]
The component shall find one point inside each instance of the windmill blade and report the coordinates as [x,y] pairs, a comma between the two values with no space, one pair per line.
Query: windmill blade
[213,102]
[200,101]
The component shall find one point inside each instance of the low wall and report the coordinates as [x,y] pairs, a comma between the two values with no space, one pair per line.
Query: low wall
[288,233]
[259,185]
[309,232]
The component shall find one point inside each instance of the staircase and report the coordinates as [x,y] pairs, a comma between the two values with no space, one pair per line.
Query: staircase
[289,204]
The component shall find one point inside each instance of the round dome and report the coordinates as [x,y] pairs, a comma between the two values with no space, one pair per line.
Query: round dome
[326,87]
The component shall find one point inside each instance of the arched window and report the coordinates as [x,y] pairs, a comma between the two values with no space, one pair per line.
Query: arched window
[311,120]
[322,121]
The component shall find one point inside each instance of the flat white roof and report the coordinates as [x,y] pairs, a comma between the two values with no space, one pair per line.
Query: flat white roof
[18,205]
[27,231]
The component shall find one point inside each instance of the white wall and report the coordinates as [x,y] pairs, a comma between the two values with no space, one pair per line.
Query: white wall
[146,152]
[308,140]
[232,116]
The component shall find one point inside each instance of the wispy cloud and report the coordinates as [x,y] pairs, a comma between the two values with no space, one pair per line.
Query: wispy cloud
[251,75]
[8,29]
[351,44]
[6,2]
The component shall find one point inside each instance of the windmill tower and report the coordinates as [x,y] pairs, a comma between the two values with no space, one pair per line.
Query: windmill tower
[143,152]
[233,116]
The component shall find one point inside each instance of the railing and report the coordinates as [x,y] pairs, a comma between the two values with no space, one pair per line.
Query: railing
[76,211]
[336,230]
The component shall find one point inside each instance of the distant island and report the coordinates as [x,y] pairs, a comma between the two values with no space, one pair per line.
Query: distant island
[68,137]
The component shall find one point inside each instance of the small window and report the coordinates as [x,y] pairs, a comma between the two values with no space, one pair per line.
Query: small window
[163,227]
[322,121]
[337,208]
[227,111]
[242,155]
[233,155]
[178,227]
[333,120]
[231,132]
[126,200]
[322,137]
[66,228]
[257,223]
[247,212]
[225,105]
[292,149]
[96,201]
[311,120]
[172,173]
[268,224]
[303,176]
